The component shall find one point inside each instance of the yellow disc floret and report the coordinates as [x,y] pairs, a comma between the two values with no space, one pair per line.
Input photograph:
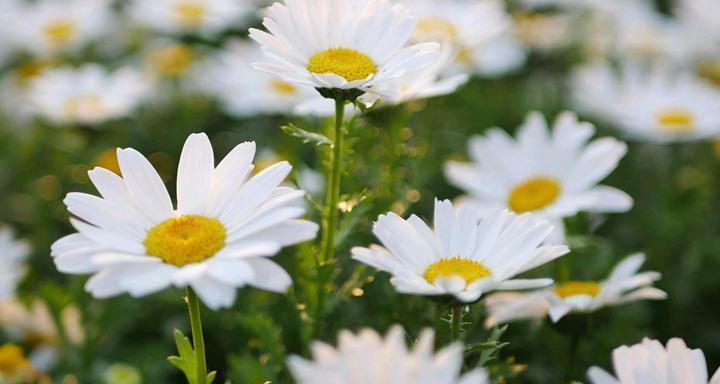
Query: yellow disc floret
[435,28]
[283,87]
[171,60]
[534,194]
[576,287]
[185,239]
[12,360]
[84,107]
[58,32]
[470,270]
[190,14]
[345,62]
[677,120]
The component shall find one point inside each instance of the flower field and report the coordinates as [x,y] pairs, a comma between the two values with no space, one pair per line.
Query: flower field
[359,191]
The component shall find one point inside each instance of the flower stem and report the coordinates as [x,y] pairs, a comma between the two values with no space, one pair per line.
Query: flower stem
[456,315]
[330,213]
[197,335]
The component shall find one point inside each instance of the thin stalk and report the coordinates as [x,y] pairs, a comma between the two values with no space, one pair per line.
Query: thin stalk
[456,316]
[197,335]
[330,213]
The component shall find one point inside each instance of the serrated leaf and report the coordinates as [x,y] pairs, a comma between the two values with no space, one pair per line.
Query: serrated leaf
[186,362]
[306,136]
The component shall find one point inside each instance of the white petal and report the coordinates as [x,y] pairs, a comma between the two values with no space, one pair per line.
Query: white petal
[194,175]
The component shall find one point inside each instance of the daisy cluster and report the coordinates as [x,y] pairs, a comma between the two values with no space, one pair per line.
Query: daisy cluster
[423,234]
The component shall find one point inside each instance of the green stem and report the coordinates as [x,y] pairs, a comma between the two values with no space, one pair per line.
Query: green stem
[572,361]
[456,315]
[330,213]
[197,335]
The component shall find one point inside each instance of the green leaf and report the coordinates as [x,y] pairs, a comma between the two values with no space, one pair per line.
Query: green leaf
[306,136]
[211,377]
[187,361]
[490,348]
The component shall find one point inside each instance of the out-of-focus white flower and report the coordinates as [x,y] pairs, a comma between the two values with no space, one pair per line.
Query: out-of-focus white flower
[658,104]
[553,173]
[650,362]
[704,16]
[355,46]
[90,94]
[49,27]
[245,91]
[463,255]
[367,357]
[170,59]
[624,285]
[220,237]
[546,31]
[36,327]
[191,16]
[15,86]
[481,32]
[13,253]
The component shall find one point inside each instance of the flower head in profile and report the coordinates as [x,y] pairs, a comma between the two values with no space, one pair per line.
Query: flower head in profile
[219,238]
[651,362]
[13,253]
[367,357]
[463,255]
[90,94]
[624,285]
[659,104]
[342,45]
[205,17]
[551,172]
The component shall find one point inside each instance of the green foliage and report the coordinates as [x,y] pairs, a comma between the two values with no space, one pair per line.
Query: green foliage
[187,361]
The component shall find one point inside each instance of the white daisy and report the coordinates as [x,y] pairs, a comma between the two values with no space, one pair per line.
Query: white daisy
[244,91]
[49,27]
[367,357]
[88,95]
[340,44]
[624,285]
[658,105]
[463,255]
[219,238]
[13,253]
[191,16]
[15,86]
[553,173]
[649,362]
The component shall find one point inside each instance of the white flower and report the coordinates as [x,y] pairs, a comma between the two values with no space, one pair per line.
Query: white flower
[88,95]
[49,27]
[549,172]
[367,357]
[219,238]
[244,91]
[463,255]
[704,16]
[624,285]
[340,44]
[13,253]
[35,326]
[649,362]
[481,32]
[191,16]
[659,104]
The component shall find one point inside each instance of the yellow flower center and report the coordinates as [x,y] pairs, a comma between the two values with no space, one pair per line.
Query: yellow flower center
[185,239]
[28,72]
[171,60]
[283,87]
[345,62]
[433,27]
[12,360]
[534,194]
[85,106]
[678,120]
[574,288]
[469,270]
[190,14]
[58,32]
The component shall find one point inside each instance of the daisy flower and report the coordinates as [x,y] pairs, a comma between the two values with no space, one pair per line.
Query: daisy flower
[244,91]
[219,238]
[659,105]
[347,45]
[88,95]
[650,362]
[367,357]
[481,33]
[702,15]
[49,27]
[14,366]
[624,285]
[205,17]
[13,253]
[15,86]
[463,256]
[553,173]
